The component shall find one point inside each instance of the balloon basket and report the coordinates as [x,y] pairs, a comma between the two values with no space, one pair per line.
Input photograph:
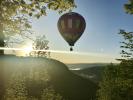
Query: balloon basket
[71,49]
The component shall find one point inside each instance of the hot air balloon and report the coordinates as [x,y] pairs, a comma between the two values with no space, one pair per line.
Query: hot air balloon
[71,26]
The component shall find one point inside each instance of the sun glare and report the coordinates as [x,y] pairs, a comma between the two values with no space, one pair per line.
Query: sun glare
[26,50]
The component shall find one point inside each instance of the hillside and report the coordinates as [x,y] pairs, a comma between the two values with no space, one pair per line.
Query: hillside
[91,73]
[40,73]
[80,66]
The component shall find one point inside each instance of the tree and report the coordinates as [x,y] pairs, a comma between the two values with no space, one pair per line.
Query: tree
[107,84]
[129,7]
[117,83]
[16,89]
[50,94]
[127,45]
[117,79]
[14,14]
[40,43]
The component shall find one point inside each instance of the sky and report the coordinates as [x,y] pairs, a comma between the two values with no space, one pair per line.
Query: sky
[100,41]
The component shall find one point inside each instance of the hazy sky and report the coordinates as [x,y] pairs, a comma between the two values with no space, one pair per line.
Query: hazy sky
[104,19]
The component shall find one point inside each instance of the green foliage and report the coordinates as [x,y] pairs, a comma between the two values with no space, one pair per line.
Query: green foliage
[129,7]
[117,83]
[50,94]
[15,14]
[127,44]
[13,11]
[30,84]
[16,89]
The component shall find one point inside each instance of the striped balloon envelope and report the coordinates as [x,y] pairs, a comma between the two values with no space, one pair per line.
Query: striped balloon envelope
[71,26]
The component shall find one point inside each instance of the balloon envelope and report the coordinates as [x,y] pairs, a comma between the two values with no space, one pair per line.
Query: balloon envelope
[71,26]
